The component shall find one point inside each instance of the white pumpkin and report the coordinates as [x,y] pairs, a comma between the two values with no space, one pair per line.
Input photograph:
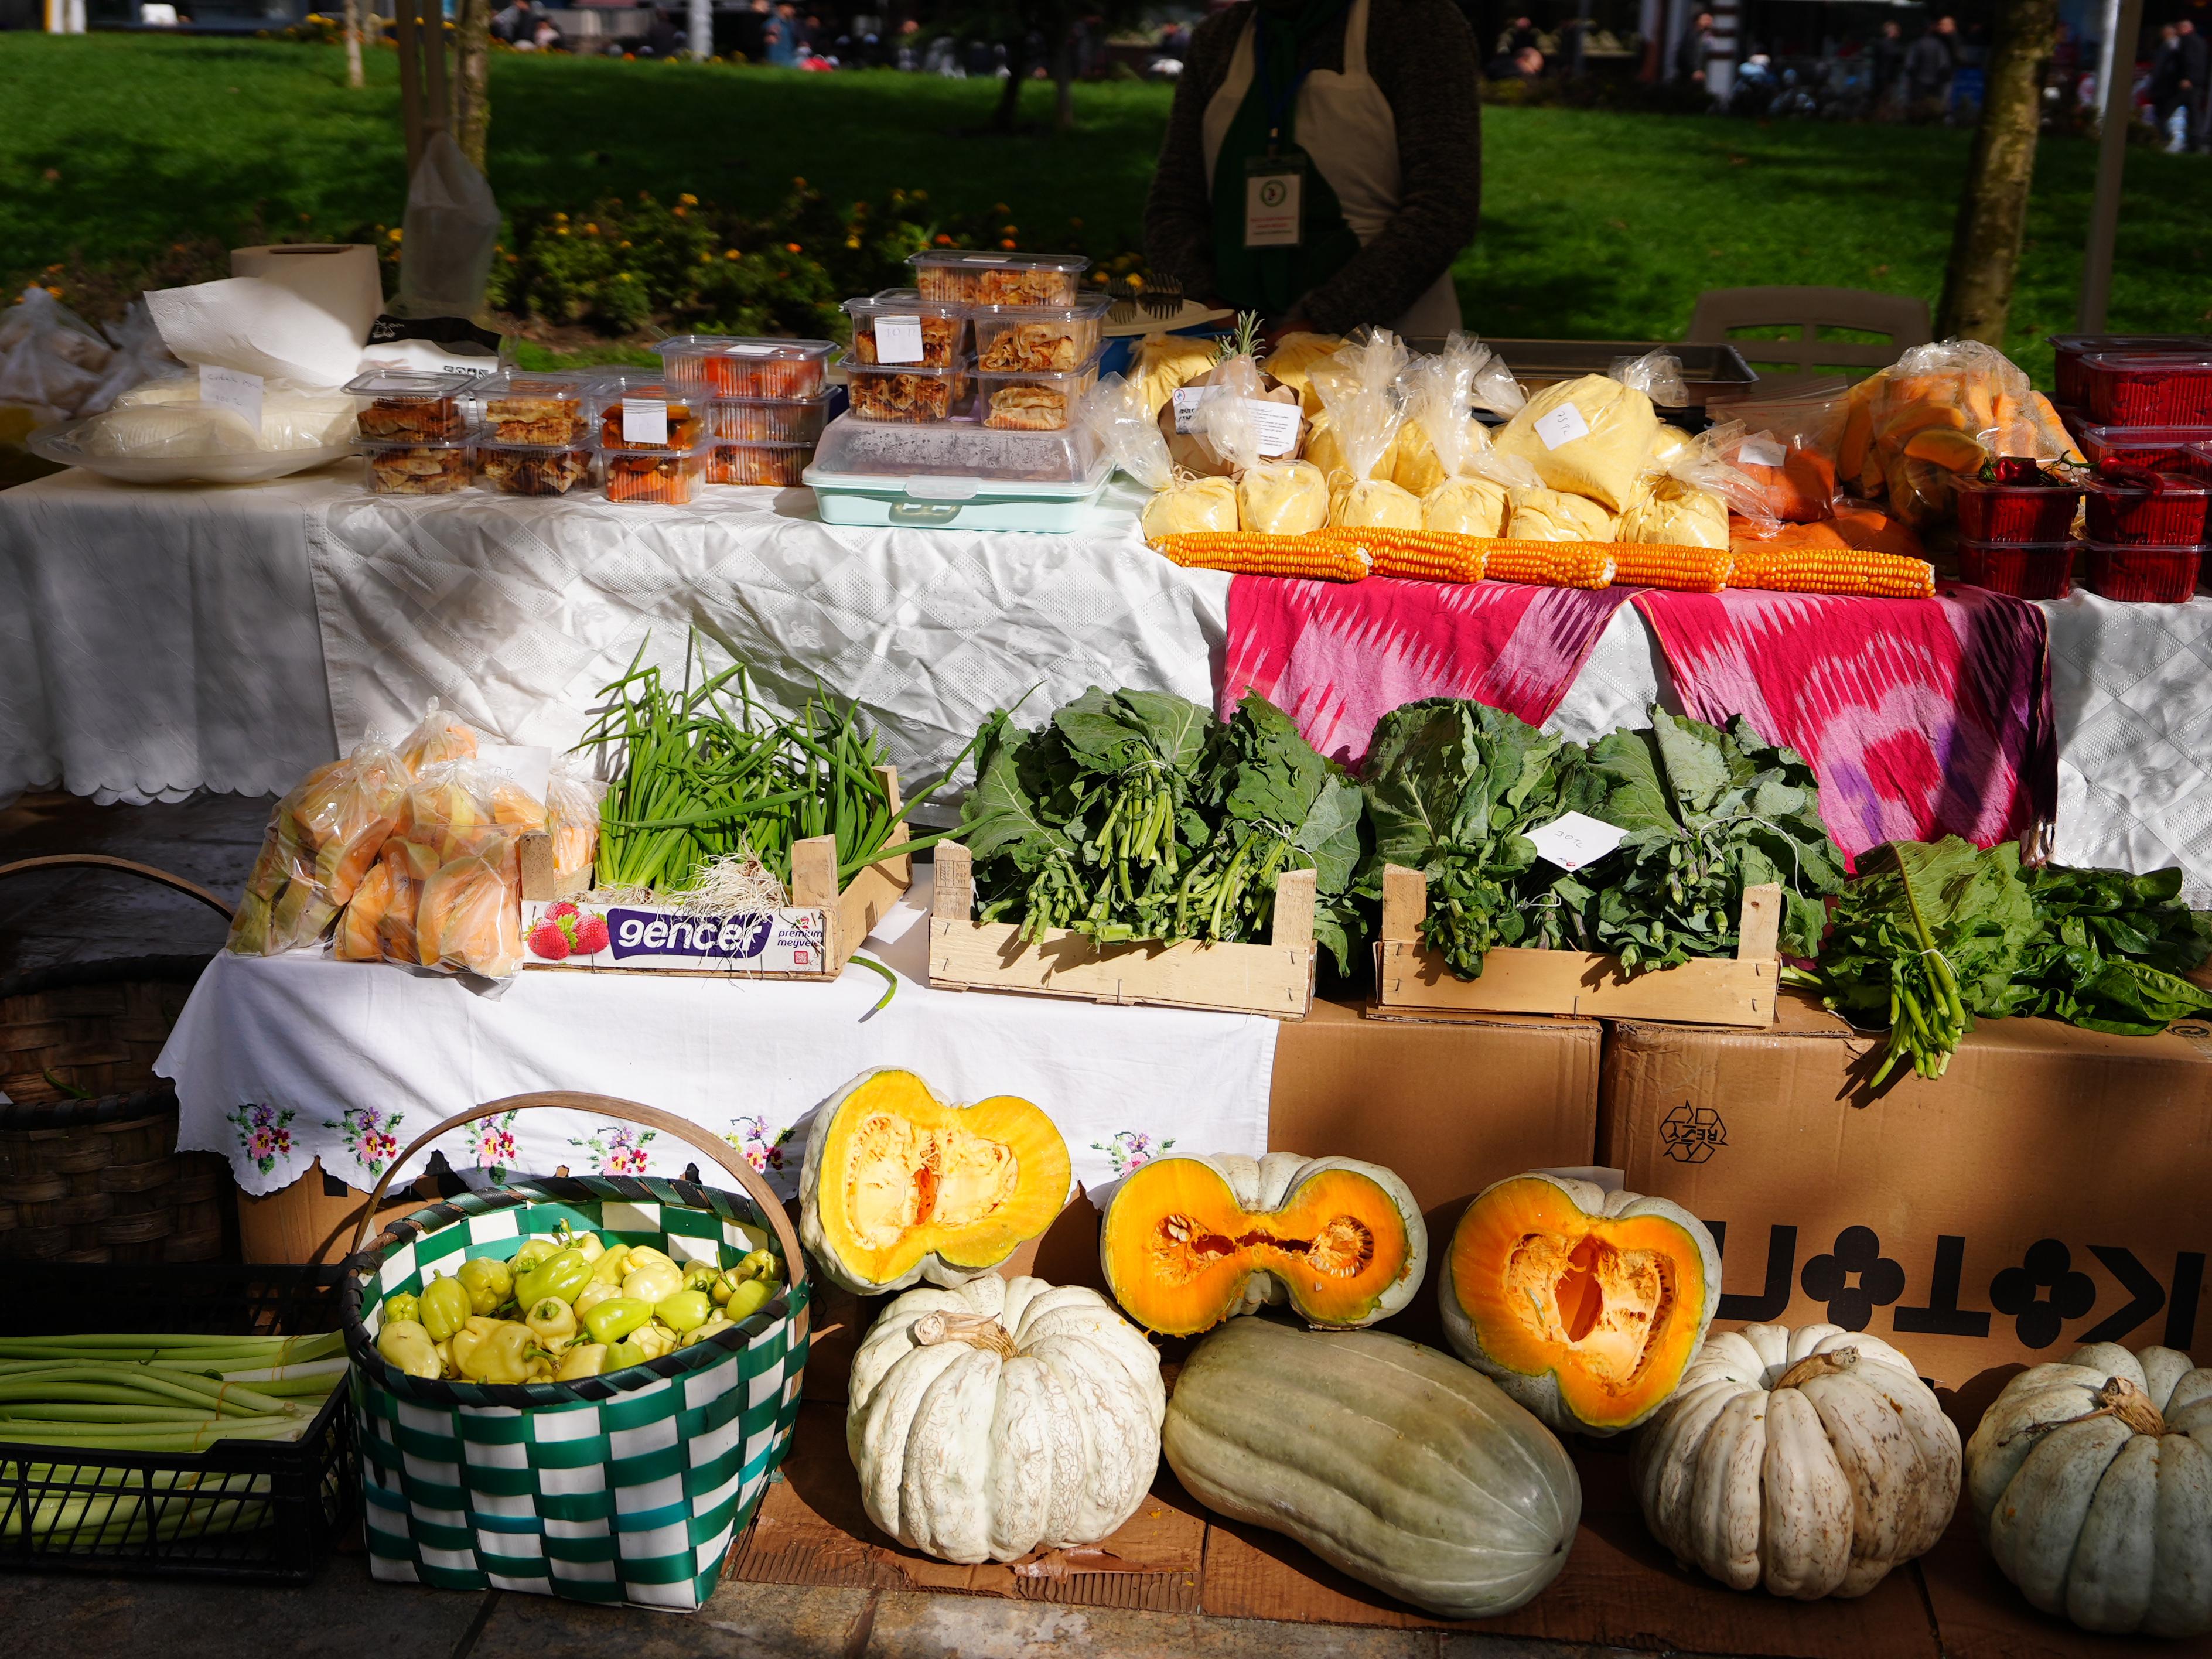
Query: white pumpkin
[1810,1462]
[1003,1416]
[2092,1485]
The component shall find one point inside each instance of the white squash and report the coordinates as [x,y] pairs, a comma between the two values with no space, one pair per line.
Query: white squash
[1003,1416]
[2092,1485]
[1810,1462]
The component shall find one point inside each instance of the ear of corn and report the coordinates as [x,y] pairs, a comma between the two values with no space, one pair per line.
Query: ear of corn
[1552,564]
[1429,555]
[1248,553]
[1684,569]
[1845,571]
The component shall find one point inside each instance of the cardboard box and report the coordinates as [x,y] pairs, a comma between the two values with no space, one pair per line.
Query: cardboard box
[313,1218]
[2048,1191]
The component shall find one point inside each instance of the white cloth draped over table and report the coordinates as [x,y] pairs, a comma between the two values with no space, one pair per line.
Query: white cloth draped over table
[154,641]
[281,1060]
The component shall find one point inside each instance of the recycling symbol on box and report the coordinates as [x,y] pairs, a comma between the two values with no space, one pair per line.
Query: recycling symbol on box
[1692,1133]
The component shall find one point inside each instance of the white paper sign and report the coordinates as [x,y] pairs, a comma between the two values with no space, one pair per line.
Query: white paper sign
[1762,451]
[1575,839]
[1562,426]
[231,388]
[898,339]
[1277,425]
[645,420]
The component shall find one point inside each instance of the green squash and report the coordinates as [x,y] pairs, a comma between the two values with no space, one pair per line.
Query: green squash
[1394,1463]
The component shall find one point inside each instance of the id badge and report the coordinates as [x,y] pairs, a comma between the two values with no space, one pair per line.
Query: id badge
[1274,200]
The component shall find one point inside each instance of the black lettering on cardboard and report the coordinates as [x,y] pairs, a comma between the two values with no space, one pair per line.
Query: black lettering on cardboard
[2038,1319]
[2181,1311]
[2145,1296]
[1856,1256]
[1942,1315]
[1774,1300]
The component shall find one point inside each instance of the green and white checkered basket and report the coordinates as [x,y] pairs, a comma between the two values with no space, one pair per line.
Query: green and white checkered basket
[626,1487]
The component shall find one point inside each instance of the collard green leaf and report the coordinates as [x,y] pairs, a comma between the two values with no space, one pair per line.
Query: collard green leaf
[1696,760]
[1330,835]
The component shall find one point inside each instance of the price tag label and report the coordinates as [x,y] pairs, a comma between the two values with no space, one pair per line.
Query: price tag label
[645,420]
[1575,839]
[231,388]
[1186,400]
[1762,451]
[898,339]
[1562,426]
[1277,425]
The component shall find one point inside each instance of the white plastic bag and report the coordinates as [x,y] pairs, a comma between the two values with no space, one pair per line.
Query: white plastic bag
[1276,498]
[452,234]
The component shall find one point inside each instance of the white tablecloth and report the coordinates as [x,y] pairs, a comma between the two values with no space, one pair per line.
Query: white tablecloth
[280,1061]
[156,642]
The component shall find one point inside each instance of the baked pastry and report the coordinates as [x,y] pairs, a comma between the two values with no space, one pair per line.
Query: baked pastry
[757,464]
[437,471]
[684,426]
[1028,409]
[526,420]
[905,396]
[1033,348]
[940,341]
[414,420]
[534,471]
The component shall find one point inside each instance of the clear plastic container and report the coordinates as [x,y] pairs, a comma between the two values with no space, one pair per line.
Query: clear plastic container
[536,468]
[1033,402]
[2068,349]
[955,449]
[2160,449]
[2028,570]
[2128,513]
[767,419]
[757,464]
[658,477]
[2155,576]
[939,330]
[536,410]
[729,366]
[625,407]
[970,278]
[911,396]
[412,405]
[2016,512]
[1031,339]
[2135,388]
[437,468]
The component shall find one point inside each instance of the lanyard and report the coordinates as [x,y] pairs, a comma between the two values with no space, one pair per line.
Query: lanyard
[1279,106]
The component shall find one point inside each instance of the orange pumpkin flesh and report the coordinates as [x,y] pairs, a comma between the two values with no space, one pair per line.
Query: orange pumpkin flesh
[1608,1307]
[1180,1250]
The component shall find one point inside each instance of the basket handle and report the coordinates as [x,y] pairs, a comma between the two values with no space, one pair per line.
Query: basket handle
[102,860]
[627,1111]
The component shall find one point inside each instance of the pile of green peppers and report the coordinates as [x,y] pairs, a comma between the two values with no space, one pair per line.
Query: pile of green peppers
[565,1306]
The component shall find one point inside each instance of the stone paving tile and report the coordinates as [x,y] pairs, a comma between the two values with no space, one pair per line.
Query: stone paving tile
[917,1626]
[743,1621]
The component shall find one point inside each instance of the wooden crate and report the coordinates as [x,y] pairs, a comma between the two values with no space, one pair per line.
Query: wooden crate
[843,918]
[1411,979]
[1275,979]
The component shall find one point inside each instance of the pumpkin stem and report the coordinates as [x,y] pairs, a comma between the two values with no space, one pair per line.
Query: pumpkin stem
[977,1330]
[1831,1364]
[2117,1398]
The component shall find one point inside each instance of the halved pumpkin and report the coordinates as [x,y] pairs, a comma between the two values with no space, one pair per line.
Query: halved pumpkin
[1189,1242]
[898,1186]
[1585,1306]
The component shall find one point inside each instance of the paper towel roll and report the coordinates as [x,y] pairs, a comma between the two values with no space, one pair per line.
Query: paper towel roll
[339,277]
[251,324]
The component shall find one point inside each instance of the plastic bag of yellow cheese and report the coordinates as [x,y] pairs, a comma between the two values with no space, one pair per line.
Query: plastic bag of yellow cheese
[1294,359]
[1161,362]
[1115,415]
[1466,506]
[1276,498]
[1590,437]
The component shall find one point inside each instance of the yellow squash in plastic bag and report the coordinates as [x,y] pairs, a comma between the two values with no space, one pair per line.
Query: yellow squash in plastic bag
[1556,515]
[1590,436]
[1466,506]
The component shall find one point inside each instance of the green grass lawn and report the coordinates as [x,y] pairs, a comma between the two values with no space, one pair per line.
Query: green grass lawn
[1594,224]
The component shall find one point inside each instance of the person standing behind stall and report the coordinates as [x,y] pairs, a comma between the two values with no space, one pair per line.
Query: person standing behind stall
[1929,65]
[1323,164]
[1694,48]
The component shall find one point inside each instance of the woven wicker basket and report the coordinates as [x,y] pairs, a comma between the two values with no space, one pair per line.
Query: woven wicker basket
[88,1166]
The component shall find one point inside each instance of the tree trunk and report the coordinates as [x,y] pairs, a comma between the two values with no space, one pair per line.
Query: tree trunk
[1063,71]
[1010,95]
[472,78]
[1993,208]
[353,43]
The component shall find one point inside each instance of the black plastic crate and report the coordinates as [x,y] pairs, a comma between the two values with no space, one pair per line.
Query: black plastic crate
[246,1510]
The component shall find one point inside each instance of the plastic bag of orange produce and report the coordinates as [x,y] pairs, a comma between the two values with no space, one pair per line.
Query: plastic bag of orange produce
[323,839]
[572,815]
[448,891]
[440,736]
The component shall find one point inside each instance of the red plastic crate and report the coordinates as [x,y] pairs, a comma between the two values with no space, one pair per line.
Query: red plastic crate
[2016,512]
[2068,349]
[2156,575]
[2130,388]
[2126,513]
[2158,449]
[2028,570]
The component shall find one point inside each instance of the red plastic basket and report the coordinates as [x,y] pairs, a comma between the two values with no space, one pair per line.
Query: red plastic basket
[2155,575]
[2026,570]
[2068,349]
[2016,512]
[2127,514]
[2160,449]
[2134,388]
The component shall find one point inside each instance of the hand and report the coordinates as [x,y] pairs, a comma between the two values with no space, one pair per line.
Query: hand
[1296,323]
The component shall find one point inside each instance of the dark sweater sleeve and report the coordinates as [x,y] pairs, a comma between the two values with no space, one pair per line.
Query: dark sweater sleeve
[1424,62]
[1179,212]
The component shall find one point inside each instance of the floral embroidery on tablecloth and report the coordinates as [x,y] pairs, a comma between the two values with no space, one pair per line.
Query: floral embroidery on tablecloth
[491,1141]
[1130,1149]
[618,1149]
[369,1135]
[264,1133]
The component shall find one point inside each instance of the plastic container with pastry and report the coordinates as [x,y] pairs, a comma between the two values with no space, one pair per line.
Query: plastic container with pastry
[659,478]
[641,411]
[1030,402]
[412,405]
[767,419]
[436,468]
[534,469]
[969,278]
[908,395]
[535,409]
[1039,339]
[897,329]
[757,464]
[732,365]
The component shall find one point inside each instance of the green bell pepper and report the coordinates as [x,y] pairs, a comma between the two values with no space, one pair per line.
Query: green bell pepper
[700,1276]
[489,1283]
[620,1354]
[445,1308]
[401,1308]
[616,1318]
[563,1275]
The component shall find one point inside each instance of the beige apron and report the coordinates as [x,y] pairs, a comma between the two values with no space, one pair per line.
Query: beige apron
[1345,124]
